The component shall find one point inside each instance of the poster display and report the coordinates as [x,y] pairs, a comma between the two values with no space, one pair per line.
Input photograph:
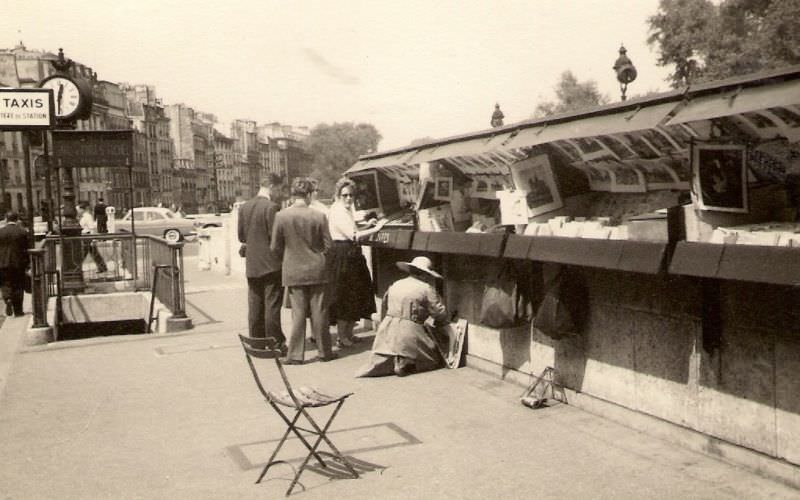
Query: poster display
[719,177]
[535,177]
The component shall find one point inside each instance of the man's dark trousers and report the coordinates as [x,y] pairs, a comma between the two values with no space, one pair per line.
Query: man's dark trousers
[12,285]
[264,297]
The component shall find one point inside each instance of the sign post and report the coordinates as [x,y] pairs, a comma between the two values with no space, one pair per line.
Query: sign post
[26,109]
[87,149]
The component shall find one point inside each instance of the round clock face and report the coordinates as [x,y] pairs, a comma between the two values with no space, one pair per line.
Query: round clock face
[66,95]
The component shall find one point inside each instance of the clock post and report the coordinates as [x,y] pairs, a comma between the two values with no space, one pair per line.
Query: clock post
[73,102]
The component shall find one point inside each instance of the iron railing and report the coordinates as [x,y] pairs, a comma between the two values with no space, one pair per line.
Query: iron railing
[99,263]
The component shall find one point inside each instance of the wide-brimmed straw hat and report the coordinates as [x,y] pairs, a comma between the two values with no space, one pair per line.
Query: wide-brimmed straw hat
[419,264]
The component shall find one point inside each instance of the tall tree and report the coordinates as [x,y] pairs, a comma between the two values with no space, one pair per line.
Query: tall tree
[335,148]
[707,41]
[571,95]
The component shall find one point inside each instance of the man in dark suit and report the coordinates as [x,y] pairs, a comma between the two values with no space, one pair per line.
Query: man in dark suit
[302,238]
[262,265]
[13,262]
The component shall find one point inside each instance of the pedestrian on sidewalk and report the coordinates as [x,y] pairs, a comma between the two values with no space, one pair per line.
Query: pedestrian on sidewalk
[262,264]
[101,216]
[301,238]
[352,291]
[402,344]
[88,226]
[13,262]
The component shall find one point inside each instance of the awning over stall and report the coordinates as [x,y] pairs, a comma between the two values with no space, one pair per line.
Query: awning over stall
[472,147]
[738,101]
[640,118]
[383,161]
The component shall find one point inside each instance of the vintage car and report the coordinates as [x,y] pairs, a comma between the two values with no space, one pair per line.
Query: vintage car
[206,220]
[157,221]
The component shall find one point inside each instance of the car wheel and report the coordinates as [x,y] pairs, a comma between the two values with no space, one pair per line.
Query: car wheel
[173,235]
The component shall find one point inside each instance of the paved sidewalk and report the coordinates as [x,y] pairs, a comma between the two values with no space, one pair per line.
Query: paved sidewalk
[178,416]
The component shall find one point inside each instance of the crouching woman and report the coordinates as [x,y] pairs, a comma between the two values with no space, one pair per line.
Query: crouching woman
[402,344]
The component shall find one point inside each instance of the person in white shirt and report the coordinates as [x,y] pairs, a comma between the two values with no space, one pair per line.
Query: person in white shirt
[353,295]
[88,226]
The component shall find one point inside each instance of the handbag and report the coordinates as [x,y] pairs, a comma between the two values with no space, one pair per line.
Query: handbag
[243,250]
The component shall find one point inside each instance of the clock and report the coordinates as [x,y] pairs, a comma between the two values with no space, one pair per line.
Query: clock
[67,96]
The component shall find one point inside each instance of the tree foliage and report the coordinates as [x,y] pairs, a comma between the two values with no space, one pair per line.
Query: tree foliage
[704,40]
[335,148]
[571,95]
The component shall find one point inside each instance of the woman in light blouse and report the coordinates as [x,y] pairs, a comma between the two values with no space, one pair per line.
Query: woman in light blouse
[352,293]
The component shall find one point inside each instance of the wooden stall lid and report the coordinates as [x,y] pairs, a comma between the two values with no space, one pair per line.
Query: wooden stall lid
[762,264]
[482,244]
[517,246]
[623,255]
[393,238]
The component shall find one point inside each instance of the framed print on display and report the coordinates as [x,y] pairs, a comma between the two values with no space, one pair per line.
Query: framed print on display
[719,177]
[535,177]
[443,188]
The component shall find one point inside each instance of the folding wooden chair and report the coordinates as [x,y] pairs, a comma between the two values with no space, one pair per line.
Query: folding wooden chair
[300,401]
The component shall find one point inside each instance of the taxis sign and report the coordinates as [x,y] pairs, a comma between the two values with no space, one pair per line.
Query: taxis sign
[22,109]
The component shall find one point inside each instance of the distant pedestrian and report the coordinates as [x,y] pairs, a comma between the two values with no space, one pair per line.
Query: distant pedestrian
[262,264]
[88,226]
[352,291]
[100,216]
[301,237]
[13,262]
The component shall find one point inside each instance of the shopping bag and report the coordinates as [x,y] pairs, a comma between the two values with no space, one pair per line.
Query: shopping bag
[504,304]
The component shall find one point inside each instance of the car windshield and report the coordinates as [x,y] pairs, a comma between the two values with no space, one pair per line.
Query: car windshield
[169,215]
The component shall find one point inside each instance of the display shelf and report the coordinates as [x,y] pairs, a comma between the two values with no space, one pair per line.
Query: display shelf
[762,264]
[482,244]
[398,238]
[623,255]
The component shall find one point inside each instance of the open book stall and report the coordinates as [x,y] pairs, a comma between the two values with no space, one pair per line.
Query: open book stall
[711,164]
[647,252]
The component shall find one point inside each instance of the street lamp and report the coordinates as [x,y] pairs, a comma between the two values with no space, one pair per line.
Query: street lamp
[626,71]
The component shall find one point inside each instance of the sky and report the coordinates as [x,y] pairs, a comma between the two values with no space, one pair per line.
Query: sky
[412,68]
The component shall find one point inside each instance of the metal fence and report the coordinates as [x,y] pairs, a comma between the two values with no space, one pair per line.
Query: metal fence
[106,263]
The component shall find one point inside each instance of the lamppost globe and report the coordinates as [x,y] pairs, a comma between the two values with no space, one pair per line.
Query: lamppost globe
[626,71]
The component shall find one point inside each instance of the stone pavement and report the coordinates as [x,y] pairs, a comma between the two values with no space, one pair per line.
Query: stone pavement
[178,416]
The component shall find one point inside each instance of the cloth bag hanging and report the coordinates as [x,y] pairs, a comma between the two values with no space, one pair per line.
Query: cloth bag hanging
[504,305]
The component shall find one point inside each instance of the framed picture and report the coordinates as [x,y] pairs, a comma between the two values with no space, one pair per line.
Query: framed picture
[719,177]
[375,191]
[443,188]
[535,177]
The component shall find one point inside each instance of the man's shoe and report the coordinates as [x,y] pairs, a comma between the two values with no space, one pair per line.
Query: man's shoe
[329,357]
[288,361]
[18,314]
[342,343]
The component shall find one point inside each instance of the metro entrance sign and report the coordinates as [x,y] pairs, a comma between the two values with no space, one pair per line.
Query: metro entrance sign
[95,148]
[26,109]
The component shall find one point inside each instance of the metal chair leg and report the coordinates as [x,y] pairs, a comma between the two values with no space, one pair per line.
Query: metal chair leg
[296,432]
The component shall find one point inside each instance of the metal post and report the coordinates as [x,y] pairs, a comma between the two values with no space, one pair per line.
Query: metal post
[48,188]
[176,254]
[26,150]
[38,287]
[71,248]
[133,221]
